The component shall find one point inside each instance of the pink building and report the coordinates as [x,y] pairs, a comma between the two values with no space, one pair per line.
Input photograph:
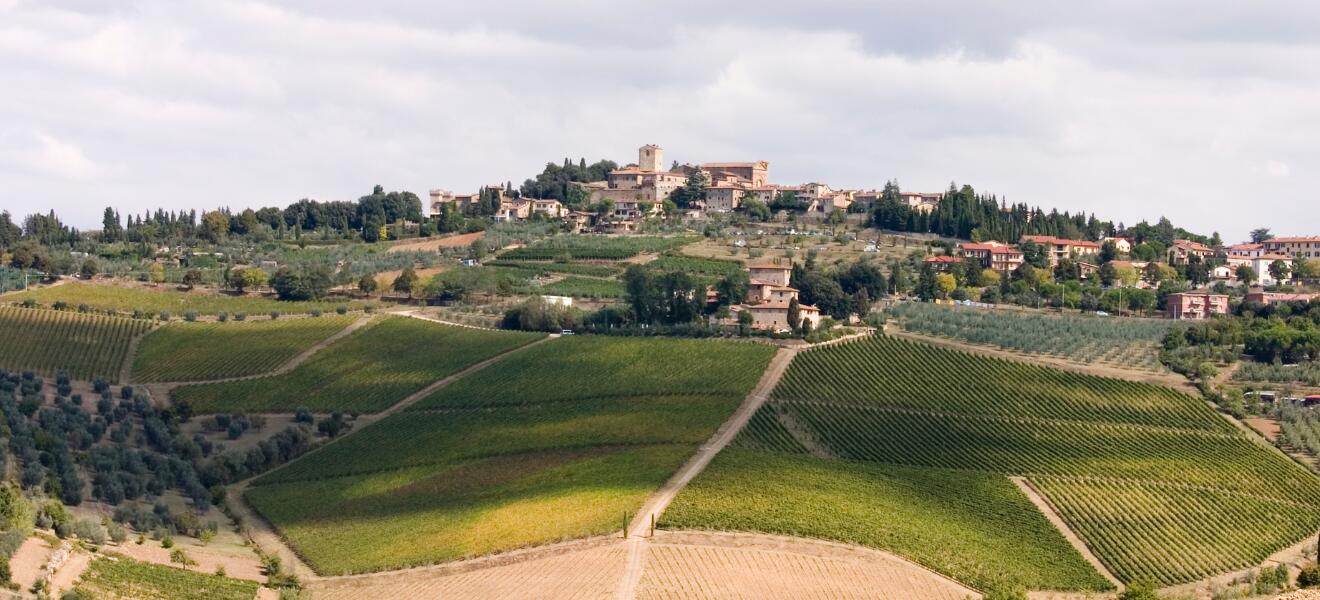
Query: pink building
[1196,305]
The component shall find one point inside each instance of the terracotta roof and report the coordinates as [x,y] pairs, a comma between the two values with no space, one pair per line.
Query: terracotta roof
[727,165]
[1294,239]
[1273,257]
[1194,246]
[770,266]
[941,259]
[782,306]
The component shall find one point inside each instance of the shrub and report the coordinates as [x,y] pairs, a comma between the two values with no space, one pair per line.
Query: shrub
[164,315]
[240,316]
[341,309]
[1142,589]
[190,316]
[1309,577]
[222,317]
[117,532]
[274,314]
[60,305]
[83,308]
[315,312]
[89,530]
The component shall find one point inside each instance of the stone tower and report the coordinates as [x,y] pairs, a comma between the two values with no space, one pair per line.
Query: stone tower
[650,158]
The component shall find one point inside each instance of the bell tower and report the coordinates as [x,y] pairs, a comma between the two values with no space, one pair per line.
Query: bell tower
[650,158]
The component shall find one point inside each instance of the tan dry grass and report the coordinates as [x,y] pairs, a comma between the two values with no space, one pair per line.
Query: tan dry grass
[435,243]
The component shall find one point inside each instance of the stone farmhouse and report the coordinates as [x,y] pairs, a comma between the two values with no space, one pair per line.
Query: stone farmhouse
[769,297]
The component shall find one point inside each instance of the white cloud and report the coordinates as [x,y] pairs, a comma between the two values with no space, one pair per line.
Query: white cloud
[54,158]
[1277,168]
[1122,110]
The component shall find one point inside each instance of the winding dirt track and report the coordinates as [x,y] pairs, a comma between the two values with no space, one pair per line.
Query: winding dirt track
[1047,509]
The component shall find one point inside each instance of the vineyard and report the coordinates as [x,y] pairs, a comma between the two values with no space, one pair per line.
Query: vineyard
[203,351]
[695,266]
[115,578]
[974,526]
[584,287]
[48,341]
[367,371]
[542,268]
[1125,342]
[125,299]
[553,443]
[594,247]
[1085,441]
[1197,532]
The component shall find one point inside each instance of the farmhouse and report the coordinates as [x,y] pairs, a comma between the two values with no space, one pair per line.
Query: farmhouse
[1061,248]
[941,263]
[1182,252]
[773,316]
[1277,297]
[769,297]
[1121,244]
[1196,305]
[994,255]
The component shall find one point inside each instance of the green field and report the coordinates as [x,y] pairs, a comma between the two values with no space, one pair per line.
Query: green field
[881,401]
[120,578]
[974,524]
[48,341]
[1121,341]
[203,351]
[695,266]
[584,287]
[367,371]
[556,442]
[153,301]
[542,267]
[594,247]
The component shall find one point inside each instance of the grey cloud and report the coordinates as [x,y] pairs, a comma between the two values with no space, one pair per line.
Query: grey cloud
[1125,109]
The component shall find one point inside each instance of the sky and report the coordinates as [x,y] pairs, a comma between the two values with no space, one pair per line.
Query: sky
[1205,111]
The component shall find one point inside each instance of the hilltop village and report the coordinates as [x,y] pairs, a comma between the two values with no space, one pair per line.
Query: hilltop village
[644,380]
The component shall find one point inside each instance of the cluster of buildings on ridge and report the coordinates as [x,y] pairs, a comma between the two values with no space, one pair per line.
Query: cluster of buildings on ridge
[1005,258]
[641,188]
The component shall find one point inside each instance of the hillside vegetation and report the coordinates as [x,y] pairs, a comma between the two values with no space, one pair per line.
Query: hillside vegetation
[1133,467]
[367,371]
[202,351]
[48,341]
[560,441]
[125,579]
[153,301]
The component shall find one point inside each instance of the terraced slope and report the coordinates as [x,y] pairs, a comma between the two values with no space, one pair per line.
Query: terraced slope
[1153,481]
[556,442]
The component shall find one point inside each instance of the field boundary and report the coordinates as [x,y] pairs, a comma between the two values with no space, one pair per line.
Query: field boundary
[291,364]
[130,357]
[1046,508]
[264,534]
[655,505]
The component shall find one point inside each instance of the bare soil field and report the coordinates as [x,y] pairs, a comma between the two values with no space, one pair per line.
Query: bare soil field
[571,574]
[677,565]
[237,564]
[699,565]
[436,243]
[29,563]
[385,279]
[1266,426]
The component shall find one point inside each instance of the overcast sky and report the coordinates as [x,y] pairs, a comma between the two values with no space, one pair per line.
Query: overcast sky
[1205,111]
